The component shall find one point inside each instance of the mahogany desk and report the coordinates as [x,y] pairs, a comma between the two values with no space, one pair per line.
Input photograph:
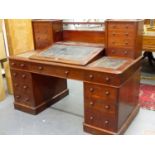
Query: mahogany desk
[110,95]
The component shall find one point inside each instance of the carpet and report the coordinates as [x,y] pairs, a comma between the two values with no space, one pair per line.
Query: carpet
[147,96]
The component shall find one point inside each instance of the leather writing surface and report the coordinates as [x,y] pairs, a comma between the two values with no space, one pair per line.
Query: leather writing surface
[69,54]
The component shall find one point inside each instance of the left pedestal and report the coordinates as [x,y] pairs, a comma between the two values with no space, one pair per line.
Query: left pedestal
[33,92]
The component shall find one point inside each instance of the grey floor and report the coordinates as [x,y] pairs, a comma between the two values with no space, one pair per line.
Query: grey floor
[65,117]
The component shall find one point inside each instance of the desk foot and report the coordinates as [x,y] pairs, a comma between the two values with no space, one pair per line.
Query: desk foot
[37,109]
[99,131]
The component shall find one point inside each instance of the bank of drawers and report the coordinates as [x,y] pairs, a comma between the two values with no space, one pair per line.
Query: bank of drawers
[100,106]
[122,38]
[22,84]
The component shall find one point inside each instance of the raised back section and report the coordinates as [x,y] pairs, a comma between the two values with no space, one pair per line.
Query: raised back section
[46,32]
[123,38]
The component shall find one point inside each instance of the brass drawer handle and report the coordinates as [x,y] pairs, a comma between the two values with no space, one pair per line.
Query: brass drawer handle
[113,34]
[23,76]
[113,51]
[107,93]
[125,52]
[127,34]
[17,97]
[91,103]
[25,87]
[91,89]
[16,84]
[107,79]
[14,74]
[40,68]
[107,107]
[66,72]
[27,99]
[12,64]
[91,76]
[126,43]
[106,122]
[91,117]
[22,65]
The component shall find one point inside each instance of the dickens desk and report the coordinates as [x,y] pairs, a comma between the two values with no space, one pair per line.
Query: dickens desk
[110,74]
[111,88]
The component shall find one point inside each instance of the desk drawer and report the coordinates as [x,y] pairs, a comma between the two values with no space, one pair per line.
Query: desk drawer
[107,107]
[99,119]
[105,93]
[18,65]
[122,52]
[57,71]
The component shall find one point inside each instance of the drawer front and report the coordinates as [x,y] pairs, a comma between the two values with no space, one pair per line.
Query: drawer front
[122,52]
[149,42]
[105,93]
[102,78]
[125,35]
[99,119]
[122,27]
[121,42]
[18,65]
[62,72]
[107,107]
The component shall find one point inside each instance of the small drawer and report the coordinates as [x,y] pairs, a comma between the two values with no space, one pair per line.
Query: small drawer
[24,99]
[120,52]
[102,78]
[105,93]
[18,64]
[106,107]
[99,119]
[129,27]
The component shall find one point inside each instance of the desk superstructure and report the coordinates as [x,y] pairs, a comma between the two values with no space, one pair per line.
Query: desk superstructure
[111,86]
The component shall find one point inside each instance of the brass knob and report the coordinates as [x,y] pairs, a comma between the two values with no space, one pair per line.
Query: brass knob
[107,107]
[23,76]
[16,85]
[107,92]
[91,89]
[25,87]
[12,64]
[27,99]
[126,34]
[113,51]
[22,65]
[126,43]
[91,117]
[113,34]
[125,52]
[106,122]
[17,96]
[127,27]
[91,76]
[107,79]
[40,68]
[91,103]
[114,26]
[14,74]
[66,72]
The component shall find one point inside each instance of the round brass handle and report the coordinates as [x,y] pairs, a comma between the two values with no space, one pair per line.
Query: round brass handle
[107,79]
[106,122]
[107,93]
[91,117]
[27,99]
[23,76]
[107,107]
[114,26]
[113,51]
[25,87]
[17,96]
[40,68]
[126,43]
[14,74]
[66,72]
[22,65]
[91,76]
[12,64]
[127,27]
[125,52]
[126,34]
[91,103]
[91,89]
[113,34]
[16,84]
